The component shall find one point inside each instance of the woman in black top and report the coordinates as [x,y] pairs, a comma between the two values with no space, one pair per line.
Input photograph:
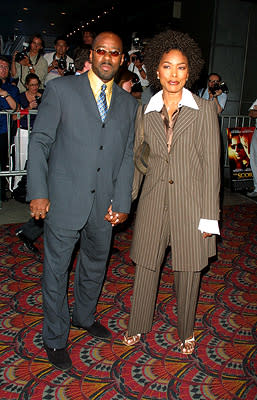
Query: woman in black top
[30,99]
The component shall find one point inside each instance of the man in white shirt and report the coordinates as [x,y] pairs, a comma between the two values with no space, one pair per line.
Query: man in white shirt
[209,93]
[137,66]
[58,61]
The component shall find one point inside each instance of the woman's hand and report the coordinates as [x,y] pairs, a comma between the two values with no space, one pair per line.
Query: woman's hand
[33,104]
[205,235]
[25,61]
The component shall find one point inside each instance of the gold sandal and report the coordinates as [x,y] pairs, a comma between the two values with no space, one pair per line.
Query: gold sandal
[189,346]
[131,340]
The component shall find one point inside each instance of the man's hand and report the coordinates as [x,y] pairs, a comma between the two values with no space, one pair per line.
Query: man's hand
[115,218]
[61,71]
[39,208]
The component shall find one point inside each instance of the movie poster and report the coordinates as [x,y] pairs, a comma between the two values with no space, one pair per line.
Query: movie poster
[239,141]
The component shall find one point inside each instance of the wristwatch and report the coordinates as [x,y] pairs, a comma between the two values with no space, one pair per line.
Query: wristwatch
[4,97]
[30,67]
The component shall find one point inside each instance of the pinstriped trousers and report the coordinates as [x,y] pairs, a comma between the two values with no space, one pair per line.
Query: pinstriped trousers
[145,292]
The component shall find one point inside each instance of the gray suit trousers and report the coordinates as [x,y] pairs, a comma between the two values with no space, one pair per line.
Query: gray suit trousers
[90,270]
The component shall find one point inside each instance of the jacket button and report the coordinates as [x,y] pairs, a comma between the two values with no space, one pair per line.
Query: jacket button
[171,181]
[93,191]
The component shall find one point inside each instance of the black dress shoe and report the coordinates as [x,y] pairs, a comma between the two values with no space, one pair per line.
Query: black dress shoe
[27,243]
[96,329]
[59,358]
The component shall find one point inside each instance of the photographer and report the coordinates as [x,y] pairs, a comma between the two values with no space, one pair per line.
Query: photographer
[137,66]
[216,91]
[28,100]
[58,61]
[29,61]
[9,97]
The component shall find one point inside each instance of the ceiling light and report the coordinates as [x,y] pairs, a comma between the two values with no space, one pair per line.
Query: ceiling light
[52,23]
[19,20]
[25,9]
[63,13]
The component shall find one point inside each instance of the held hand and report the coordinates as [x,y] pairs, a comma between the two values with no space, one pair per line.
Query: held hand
[61,71]
[138,64]
[39,208]
[205,235]
[218,93]
[25,61]
[33,104]
[115,218]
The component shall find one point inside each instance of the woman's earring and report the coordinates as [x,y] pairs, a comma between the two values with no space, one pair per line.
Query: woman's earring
[158,75]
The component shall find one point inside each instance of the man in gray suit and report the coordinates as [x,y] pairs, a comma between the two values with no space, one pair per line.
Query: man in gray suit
[80,172]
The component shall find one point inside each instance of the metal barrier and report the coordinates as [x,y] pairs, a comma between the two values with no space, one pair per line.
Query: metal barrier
[226,121]
[13,168]
[9,115]
[232,121]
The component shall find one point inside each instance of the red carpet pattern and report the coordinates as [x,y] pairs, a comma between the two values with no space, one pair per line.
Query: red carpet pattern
[222,367]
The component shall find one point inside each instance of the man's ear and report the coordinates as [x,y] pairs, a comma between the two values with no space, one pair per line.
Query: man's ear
[122,59]
[90,55]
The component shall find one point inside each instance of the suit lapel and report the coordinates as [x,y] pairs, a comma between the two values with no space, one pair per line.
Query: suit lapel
[89,101]
[114,101]
[155,121]
[186,117]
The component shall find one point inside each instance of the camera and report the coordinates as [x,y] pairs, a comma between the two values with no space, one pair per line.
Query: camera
[219,86]
[62,64]
[22,54]
[137,57]
[71,70]
[38,99]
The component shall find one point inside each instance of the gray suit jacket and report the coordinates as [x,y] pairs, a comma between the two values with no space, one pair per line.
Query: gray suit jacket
[74,157]
[185,181]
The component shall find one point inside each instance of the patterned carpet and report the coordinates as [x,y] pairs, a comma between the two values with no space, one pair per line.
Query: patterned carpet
[222,367]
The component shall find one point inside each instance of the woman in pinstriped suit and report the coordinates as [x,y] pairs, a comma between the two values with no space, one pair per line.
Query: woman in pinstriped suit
[179,202]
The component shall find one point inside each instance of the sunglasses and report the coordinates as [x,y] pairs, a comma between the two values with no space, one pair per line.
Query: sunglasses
[102,52]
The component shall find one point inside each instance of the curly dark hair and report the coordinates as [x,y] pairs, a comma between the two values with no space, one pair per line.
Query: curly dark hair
[163,43]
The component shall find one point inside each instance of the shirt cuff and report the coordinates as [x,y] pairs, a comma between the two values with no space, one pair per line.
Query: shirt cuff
[209,226]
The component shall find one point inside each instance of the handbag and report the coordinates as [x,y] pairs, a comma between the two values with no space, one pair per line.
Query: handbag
[142,152]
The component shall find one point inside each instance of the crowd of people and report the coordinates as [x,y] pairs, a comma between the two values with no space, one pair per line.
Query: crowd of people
[81,177]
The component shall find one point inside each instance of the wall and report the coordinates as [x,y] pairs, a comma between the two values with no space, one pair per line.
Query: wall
[233,51]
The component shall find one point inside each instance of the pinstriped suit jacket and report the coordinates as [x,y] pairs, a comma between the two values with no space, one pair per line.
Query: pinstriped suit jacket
[186,180]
